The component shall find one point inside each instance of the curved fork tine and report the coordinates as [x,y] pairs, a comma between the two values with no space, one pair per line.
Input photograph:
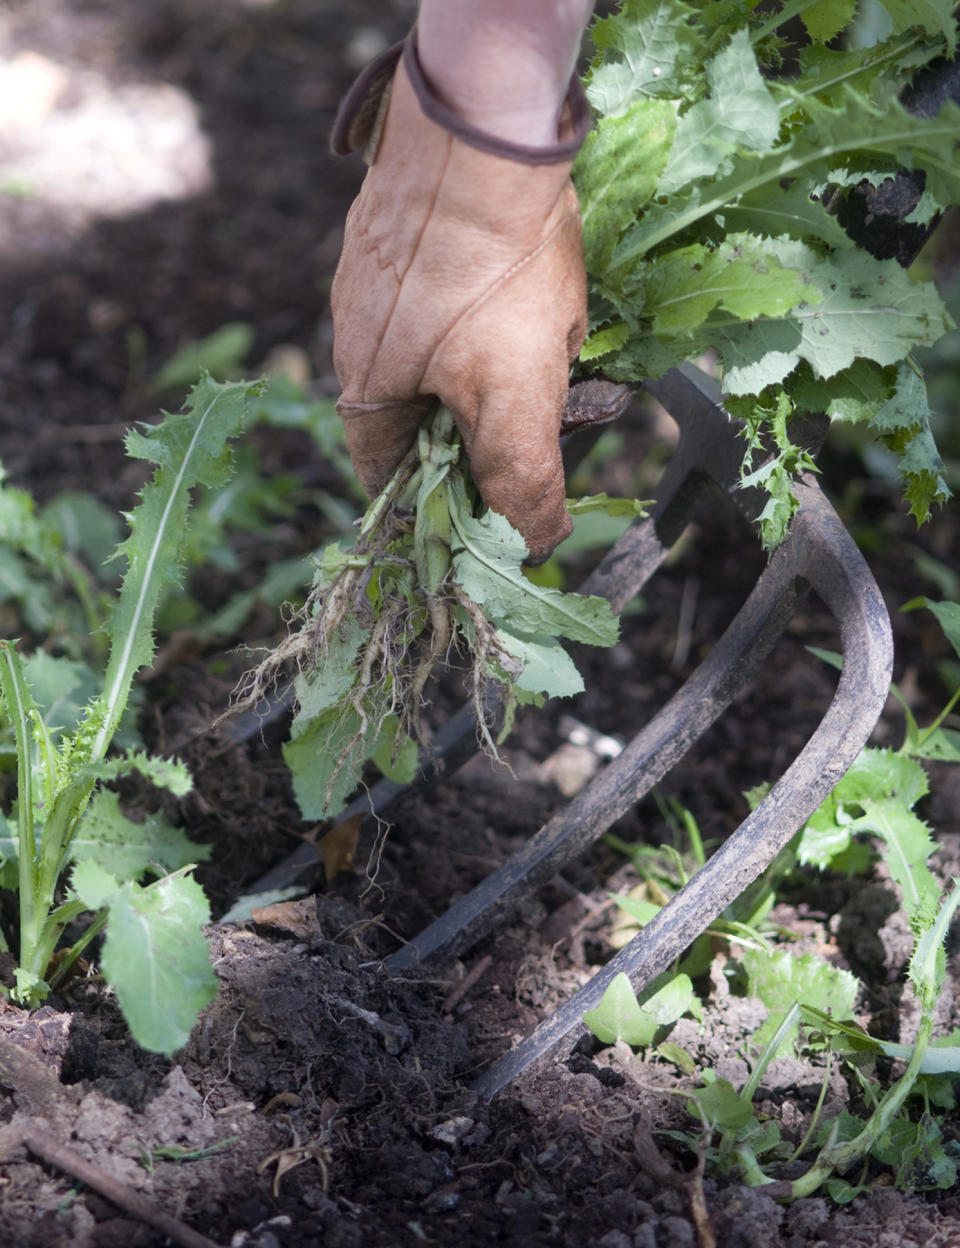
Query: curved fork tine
[821,552]
[661,743]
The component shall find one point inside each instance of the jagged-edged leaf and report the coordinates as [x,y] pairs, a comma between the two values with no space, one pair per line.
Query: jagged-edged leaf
[869,309]
[781,979]
[853,127]
[827,18]
[126,848]
[647,49]
[617,171]
[190,449]
[743,276]
[165,773]
[933,16]
[739,113]
[904,422]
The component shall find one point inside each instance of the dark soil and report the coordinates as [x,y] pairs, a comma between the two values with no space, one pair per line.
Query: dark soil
[182,182]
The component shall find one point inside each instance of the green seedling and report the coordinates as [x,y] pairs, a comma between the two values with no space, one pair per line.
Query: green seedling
[431,578]
[177,1152]
[709,190]
[65,846]
[811,1003]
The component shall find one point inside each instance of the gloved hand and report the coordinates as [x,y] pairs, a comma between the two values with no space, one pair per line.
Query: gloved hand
[462,279]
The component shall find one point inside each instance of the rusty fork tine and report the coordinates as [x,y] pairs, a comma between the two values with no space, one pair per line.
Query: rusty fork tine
[821,553]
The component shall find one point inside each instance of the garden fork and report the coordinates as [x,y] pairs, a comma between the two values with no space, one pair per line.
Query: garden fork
[817,554]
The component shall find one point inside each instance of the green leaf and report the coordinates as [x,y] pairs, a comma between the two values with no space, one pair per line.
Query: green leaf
[61,688]
[220,354]
[620,1017]
[126,849]
[904,422]
[326,755]
[154,955]
[744,276]
[396,754]
[647,49]
[87,526]
[609,506]
[825,20]
[617,171]
[604,340]
[877,795]
[928,964]
[189,449]
[853,127]
[948,617]
[165,773]
[324,686]
[855,395]
[739,112]
[488,557]
[724,1107]
[868,309]
[933,16]
[547,668]
[780,979]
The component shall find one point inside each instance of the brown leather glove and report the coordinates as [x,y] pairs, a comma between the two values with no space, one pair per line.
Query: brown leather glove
[461,279]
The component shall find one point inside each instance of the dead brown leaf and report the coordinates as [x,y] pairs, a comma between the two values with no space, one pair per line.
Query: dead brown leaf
[338,846]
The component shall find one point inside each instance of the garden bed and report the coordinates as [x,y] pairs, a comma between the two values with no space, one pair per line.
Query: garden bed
[321,1100]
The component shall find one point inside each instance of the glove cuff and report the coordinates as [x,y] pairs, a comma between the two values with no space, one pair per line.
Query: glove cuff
[360,116]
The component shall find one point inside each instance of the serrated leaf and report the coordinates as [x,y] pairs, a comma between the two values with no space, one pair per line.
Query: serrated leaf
[836,133]
[928,964]
[189,449]
[154,955]
[825,20]
[853,396]
[165,773]
[126,849]
[933,16]
[647,49]
[617,171]
[488,557]
[744,276]
[739,112]
[877,795]
[781,979]
[604,340]
[869,308]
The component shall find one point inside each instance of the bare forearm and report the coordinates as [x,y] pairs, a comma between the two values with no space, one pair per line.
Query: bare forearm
[503,65]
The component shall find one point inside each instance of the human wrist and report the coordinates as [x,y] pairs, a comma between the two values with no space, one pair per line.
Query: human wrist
[503,66]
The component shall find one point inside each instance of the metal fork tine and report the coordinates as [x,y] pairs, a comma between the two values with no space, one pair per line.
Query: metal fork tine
[820,552]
